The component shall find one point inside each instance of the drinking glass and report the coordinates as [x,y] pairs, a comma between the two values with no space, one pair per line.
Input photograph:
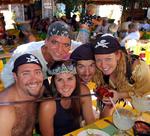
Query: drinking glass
[123,120]
[141,104]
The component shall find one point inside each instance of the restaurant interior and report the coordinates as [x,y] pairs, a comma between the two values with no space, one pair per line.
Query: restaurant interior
[27,21]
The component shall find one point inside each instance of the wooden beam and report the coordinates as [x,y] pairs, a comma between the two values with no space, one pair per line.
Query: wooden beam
[105,1]
[4,2]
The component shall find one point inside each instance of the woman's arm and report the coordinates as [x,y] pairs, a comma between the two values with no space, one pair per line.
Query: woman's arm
[46,118]
[86,103]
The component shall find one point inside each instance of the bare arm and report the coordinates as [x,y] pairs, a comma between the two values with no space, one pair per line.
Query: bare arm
[46,118]
[86,103]
[7,120]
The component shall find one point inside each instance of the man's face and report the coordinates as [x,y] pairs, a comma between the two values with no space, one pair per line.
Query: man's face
[86,69]
[58,47]
[29,79]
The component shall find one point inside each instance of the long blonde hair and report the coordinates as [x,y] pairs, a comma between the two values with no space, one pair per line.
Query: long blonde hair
[120,73]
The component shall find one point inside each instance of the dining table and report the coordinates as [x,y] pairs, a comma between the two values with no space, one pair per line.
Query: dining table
[106,126]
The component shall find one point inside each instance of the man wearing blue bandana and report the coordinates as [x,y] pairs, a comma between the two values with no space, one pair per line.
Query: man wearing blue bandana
[55,47]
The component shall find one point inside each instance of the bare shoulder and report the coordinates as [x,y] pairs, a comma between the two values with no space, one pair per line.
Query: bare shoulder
[48,106]
[84,89]
[7,94]
[7,109]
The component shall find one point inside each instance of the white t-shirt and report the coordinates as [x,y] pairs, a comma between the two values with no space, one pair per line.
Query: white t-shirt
[131,36]
[33,48]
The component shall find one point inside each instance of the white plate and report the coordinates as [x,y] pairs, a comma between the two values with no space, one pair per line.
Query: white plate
[95,132]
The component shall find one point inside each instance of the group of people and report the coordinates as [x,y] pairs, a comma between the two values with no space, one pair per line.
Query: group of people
[26,79]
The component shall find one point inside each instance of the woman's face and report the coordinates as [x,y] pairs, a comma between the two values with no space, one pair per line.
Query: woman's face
[107,63]
[65,83]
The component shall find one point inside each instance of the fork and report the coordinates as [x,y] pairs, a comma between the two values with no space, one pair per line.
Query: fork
[89,132]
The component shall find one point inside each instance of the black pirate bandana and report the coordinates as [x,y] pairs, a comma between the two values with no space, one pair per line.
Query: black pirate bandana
[106,44]
[83,52]
[25,59]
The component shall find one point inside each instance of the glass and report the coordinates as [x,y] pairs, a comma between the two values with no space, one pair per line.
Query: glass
[123,120]
[141,104]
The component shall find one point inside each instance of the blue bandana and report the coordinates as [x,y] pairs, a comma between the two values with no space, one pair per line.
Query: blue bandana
[59,28]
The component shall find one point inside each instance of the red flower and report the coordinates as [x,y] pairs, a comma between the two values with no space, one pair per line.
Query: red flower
[103,92]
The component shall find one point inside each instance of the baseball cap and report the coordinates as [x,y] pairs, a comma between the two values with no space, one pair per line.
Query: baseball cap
[59,28]
[83,52]
[26,59]
[106,44]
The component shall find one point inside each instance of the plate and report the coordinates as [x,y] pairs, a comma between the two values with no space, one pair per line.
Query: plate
[93,132]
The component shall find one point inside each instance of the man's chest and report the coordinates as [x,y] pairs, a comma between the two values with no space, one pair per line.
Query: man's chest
[24,123]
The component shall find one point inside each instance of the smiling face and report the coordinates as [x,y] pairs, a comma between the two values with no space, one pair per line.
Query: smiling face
[86,69]
[65,83]
[29,79]
[107,63]
[58,47]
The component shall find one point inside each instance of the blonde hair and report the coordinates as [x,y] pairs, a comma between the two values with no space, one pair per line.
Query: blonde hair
[120,73]
[91,8]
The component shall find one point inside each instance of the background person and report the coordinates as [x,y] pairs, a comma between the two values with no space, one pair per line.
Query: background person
[133,34]
[59,117]
[119,72]
[123,30]
[55,47]
[19,119]
[87,24]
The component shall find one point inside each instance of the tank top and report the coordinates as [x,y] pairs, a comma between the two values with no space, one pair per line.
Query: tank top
[64,121]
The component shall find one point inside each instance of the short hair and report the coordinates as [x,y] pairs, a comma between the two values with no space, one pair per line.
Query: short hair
[133,26]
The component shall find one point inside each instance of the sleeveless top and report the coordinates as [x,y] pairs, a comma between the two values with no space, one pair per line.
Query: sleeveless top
[64,121]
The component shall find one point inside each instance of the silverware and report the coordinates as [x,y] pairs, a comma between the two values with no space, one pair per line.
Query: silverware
[89,133]
[111,123]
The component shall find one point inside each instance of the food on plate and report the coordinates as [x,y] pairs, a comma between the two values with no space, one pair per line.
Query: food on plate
[141,128]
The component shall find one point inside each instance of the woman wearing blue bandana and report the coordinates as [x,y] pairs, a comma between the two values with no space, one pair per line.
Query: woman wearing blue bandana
[59,117]
[118,72]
